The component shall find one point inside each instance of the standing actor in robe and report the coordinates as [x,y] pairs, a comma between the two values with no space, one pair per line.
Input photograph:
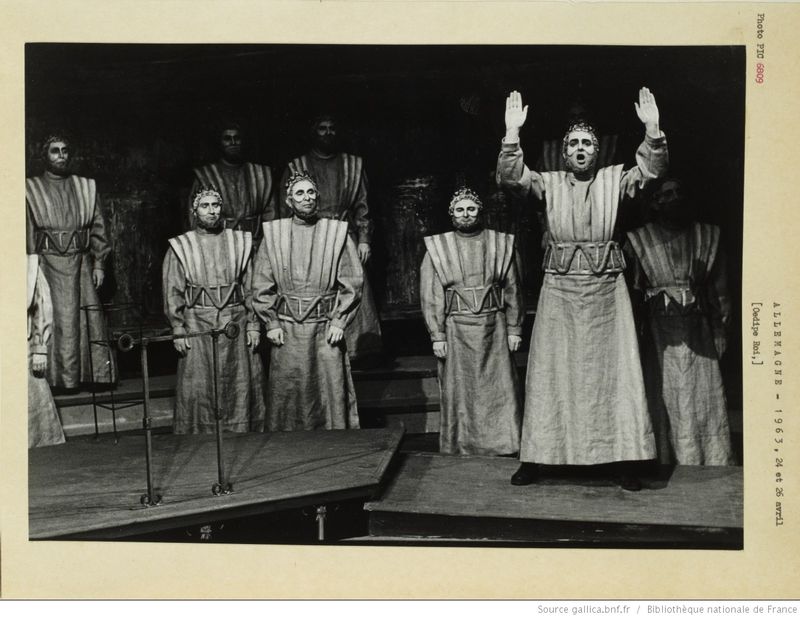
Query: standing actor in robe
[248,195]
[342,185]
[473,309]
[679,268]
[585,401]
[44,424]
[207,278]
[65,227]
[307,287]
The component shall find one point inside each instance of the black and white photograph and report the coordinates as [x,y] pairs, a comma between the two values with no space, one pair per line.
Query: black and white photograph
[347,307]
[383,294]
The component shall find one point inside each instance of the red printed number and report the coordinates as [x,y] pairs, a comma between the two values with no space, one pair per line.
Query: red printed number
[759,72]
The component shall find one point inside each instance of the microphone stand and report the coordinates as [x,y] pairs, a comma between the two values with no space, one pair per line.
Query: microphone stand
[125,343]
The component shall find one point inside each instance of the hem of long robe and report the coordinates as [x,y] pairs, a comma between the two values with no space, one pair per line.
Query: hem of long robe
[481,406]
[585,401]
[202,428]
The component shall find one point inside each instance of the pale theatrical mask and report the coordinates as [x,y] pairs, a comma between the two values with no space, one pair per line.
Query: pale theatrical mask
[208,212]
[57,158]
[231,143]
[302,199]
[580,153]
[465,215]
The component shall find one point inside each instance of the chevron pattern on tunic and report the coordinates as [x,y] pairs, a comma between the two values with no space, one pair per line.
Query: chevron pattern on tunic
[327,246]
[42,207]
[444,256]
[603,202]
[189,252]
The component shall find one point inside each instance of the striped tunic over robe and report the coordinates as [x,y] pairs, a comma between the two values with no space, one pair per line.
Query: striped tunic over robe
[248,194]
[584,396]
[44,424]
[65,226]
[307,276]
[682,276]
[471,299]
[342,185]
[208,283]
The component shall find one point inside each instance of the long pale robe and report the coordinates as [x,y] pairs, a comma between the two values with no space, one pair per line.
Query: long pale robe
[248,194]
[682,276]
[207,283]
[306,277]
[481,407]
[584,401]
[65,226]
[342,185]
[44,424]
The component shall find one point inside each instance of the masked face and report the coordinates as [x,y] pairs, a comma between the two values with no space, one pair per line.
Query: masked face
[302,199]
[57,158]
[671,206]
[208,212]
[231,143]
[325,135]
[466,216]
[580,153]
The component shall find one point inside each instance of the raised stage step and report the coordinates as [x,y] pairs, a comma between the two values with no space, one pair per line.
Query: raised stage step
[443,498]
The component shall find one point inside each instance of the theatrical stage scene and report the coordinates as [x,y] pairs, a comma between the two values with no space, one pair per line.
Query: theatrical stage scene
[374,295]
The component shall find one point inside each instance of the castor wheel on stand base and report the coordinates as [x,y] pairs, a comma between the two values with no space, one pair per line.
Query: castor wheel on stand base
[221,489]
[146,500]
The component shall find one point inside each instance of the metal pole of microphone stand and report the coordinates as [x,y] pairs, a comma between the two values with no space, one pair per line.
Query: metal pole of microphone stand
[150,498]
[221,486]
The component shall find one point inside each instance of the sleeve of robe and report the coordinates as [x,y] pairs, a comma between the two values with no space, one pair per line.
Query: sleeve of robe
[514,176]
[174,286]
[515,305]
[98,237]
[30,231]
[188,221]
[361,216]
[247,286]
[264,294]
[350,282]
[41,316]
[652,161]
[719,301]
[270,210]
[432,299]
[283,210]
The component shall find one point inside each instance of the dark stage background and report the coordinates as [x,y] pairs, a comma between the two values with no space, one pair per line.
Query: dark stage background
[425,118]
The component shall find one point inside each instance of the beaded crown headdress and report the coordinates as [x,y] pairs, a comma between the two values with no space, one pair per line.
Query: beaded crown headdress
[205,191]
[298,176]
[54,137]
[464,193]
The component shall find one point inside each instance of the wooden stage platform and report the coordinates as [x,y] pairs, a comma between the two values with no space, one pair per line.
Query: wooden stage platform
[88,490]
[435,498]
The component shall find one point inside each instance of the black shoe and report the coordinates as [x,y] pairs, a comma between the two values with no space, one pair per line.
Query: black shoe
[629,483]
[526,475]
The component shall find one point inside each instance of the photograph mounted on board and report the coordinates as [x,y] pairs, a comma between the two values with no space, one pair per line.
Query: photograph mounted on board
[469,295]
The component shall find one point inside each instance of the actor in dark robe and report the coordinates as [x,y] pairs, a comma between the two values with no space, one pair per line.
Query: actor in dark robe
[584,399]
[248,195]
[307,287]
[207,278]
[342,185]
[679,268]
[473,309]
[65,227]
[44,424]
